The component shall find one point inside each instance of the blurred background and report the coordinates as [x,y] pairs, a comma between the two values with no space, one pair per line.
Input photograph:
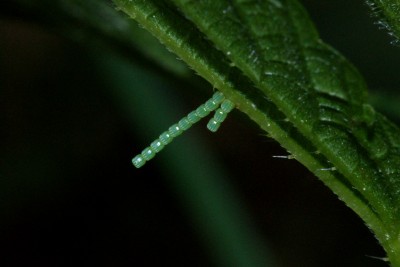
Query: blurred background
[81,94]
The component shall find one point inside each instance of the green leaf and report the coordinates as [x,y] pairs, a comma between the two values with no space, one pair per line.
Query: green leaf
[267,58]
[94,22]
[388,14]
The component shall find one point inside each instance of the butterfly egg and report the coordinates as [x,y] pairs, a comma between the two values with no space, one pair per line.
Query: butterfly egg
[148,153]
[227,106]
[220,115]
[213,125]
[214,102]
[202,111]
[193,117]
[165,138]
[138,161]
[211,105]
[175,130]
[157,145]
[218,97]
[184,124]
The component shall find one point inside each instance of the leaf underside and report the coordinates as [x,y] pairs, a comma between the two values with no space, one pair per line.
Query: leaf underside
[267,58]
[388,14]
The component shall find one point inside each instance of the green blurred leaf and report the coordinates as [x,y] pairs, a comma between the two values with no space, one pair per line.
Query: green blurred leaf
[97,21]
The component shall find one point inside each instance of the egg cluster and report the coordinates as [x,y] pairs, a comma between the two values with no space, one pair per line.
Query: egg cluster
[217,101]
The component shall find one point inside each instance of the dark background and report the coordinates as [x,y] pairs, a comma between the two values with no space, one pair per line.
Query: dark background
[72,116]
